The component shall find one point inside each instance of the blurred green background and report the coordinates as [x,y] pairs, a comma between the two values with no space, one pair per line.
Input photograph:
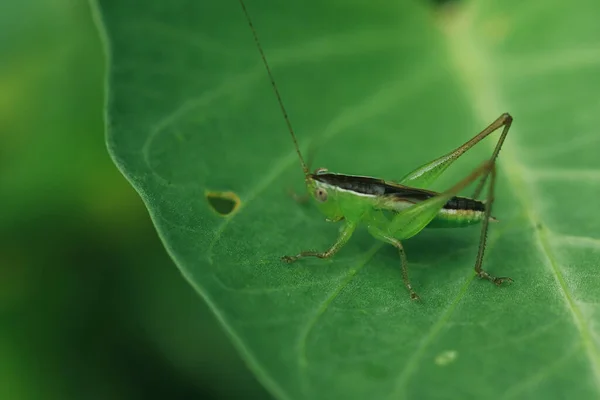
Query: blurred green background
[90,304]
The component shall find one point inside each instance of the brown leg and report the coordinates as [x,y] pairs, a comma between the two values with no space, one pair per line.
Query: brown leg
[381,235]
[398,245]
[339,243]
[426,174]
[504,120]
[484,229]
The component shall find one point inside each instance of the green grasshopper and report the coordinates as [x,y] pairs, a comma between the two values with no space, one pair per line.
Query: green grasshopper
[396,211]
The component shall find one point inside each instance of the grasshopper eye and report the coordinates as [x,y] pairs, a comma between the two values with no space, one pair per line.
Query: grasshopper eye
[320,171]
[321,195]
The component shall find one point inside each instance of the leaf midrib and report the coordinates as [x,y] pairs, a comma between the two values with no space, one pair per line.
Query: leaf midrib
[474,69]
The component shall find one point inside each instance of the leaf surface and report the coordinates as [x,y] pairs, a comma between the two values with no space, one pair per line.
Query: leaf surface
[378,88]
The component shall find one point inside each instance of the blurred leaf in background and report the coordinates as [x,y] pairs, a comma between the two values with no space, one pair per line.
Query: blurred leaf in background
[90,304]
[382,87]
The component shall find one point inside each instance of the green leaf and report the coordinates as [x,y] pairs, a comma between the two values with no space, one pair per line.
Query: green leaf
[379,87]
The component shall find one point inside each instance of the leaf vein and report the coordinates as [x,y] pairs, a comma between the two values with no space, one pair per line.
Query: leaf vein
[474,68]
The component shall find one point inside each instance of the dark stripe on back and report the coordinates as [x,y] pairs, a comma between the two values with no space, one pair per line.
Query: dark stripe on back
[379,187]
[463,203]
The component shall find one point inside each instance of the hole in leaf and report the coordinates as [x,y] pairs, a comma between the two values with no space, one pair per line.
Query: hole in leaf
[224,203]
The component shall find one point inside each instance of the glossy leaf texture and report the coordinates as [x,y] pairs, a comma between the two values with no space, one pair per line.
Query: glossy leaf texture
[376,88]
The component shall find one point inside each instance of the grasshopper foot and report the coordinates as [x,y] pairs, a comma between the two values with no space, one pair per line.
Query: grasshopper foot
[289,259]
[498,281]
[414,296]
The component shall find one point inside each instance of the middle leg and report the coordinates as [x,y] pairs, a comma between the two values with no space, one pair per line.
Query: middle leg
[381,235]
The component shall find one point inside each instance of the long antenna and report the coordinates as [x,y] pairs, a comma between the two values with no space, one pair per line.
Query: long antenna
[287,120]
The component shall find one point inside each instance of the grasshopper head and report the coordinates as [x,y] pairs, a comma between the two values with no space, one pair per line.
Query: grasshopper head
[324,195]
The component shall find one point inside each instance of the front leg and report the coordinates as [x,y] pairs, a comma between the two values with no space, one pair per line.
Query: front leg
[345,235]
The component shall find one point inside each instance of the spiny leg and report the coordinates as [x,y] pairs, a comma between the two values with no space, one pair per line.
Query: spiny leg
[398,245]
[342,239]
[484,229]
[506,121]
[426,174]
[413,219]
